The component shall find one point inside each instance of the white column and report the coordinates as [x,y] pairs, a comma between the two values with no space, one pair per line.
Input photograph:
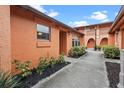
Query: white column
[122,69]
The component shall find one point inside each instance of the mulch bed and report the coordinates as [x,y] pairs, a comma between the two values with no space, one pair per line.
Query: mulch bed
[113,70]
[113,58]
[35,77]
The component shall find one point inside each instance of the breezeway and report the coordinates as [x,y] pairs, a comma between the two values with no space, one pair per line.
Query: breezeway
[88,71]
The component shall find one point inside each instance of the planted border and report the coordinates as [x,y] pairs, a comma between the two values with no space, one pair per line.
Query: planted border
[113,70]
[77,51]
[29,77]
[111,52]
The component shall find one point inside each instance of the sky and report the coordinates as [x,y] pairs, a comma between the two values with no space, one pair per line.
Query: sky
[80,15]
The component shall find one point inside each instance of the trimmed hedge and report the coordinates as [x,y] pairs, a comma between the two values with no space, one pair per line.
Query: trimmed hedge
[111,52]
[77,51]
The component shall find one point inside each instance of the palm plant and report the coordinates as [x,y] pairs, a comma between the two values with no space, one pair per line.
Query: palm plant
[8,81]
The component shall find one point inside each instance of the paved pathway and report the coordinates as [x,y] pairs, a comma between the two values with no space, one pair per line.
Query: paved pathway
[87,72]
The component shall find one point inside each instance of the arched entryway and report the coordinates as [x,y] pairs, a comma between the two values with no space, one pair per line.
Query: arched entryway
[104,41]
[91,43]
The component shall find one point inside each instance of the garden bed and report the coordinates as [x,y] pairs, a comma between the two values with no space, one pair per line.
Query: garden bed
[111,52]
[116,58]
[77,51]
[77,56]
[35,77]
[113,70]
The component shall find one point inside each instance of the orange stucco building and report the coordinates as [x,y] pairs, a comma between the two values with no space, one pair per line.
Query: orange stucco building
[116,33]
[27,34]
[95,32]
[116,37]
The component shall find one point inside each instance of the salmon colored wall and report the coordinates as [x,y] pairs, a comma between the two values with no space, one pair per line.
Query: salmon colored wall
[69,41]
[81,40]
[89,32]
[111,39]
[91,43]
[119,38]
[80,36]
[122,43]
[63,42]
[119,25]
[122,35]
[70,36]
[5,45]
[25,45]
[104,41]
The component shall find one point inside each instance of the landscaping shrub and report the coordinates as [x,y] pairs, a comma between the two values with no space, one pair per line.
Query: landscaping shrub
[84,46]
[111,52]
[98,47]
[52,61]
[105,46]
[8,81]
[61,59]
[77,51]
[24,67]
[45,68]
[43,64]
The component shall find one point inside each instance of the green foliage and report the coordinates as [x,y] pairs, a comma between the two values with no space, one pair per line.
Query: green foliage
[105,46]
[61,59]
[77,51]
[52,62]
[111,52]
[8,81]
[82,51]
[84,46]
[43,64]
[24,68]
[98,47]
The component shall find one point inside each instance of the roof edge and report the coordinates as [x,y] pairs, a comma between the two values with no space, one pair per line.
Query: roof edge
[118,17]
[28,7]
[95,24]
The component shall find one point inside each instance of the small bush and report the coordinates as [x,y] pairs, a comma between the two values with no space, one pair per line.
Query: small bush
[43,64]
[61,59]
[84,46]
[52,62]
[77,51]
[98,47]
[111,52]
[8,81]
[24,68]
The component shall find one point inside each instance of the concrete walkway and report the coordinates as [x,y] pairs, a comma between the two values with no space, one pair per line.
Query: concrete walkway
[86,72]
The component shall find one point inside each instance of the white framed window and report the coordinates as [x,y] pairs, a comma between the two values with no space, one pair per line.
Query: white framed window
[75,42]
[43,32]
